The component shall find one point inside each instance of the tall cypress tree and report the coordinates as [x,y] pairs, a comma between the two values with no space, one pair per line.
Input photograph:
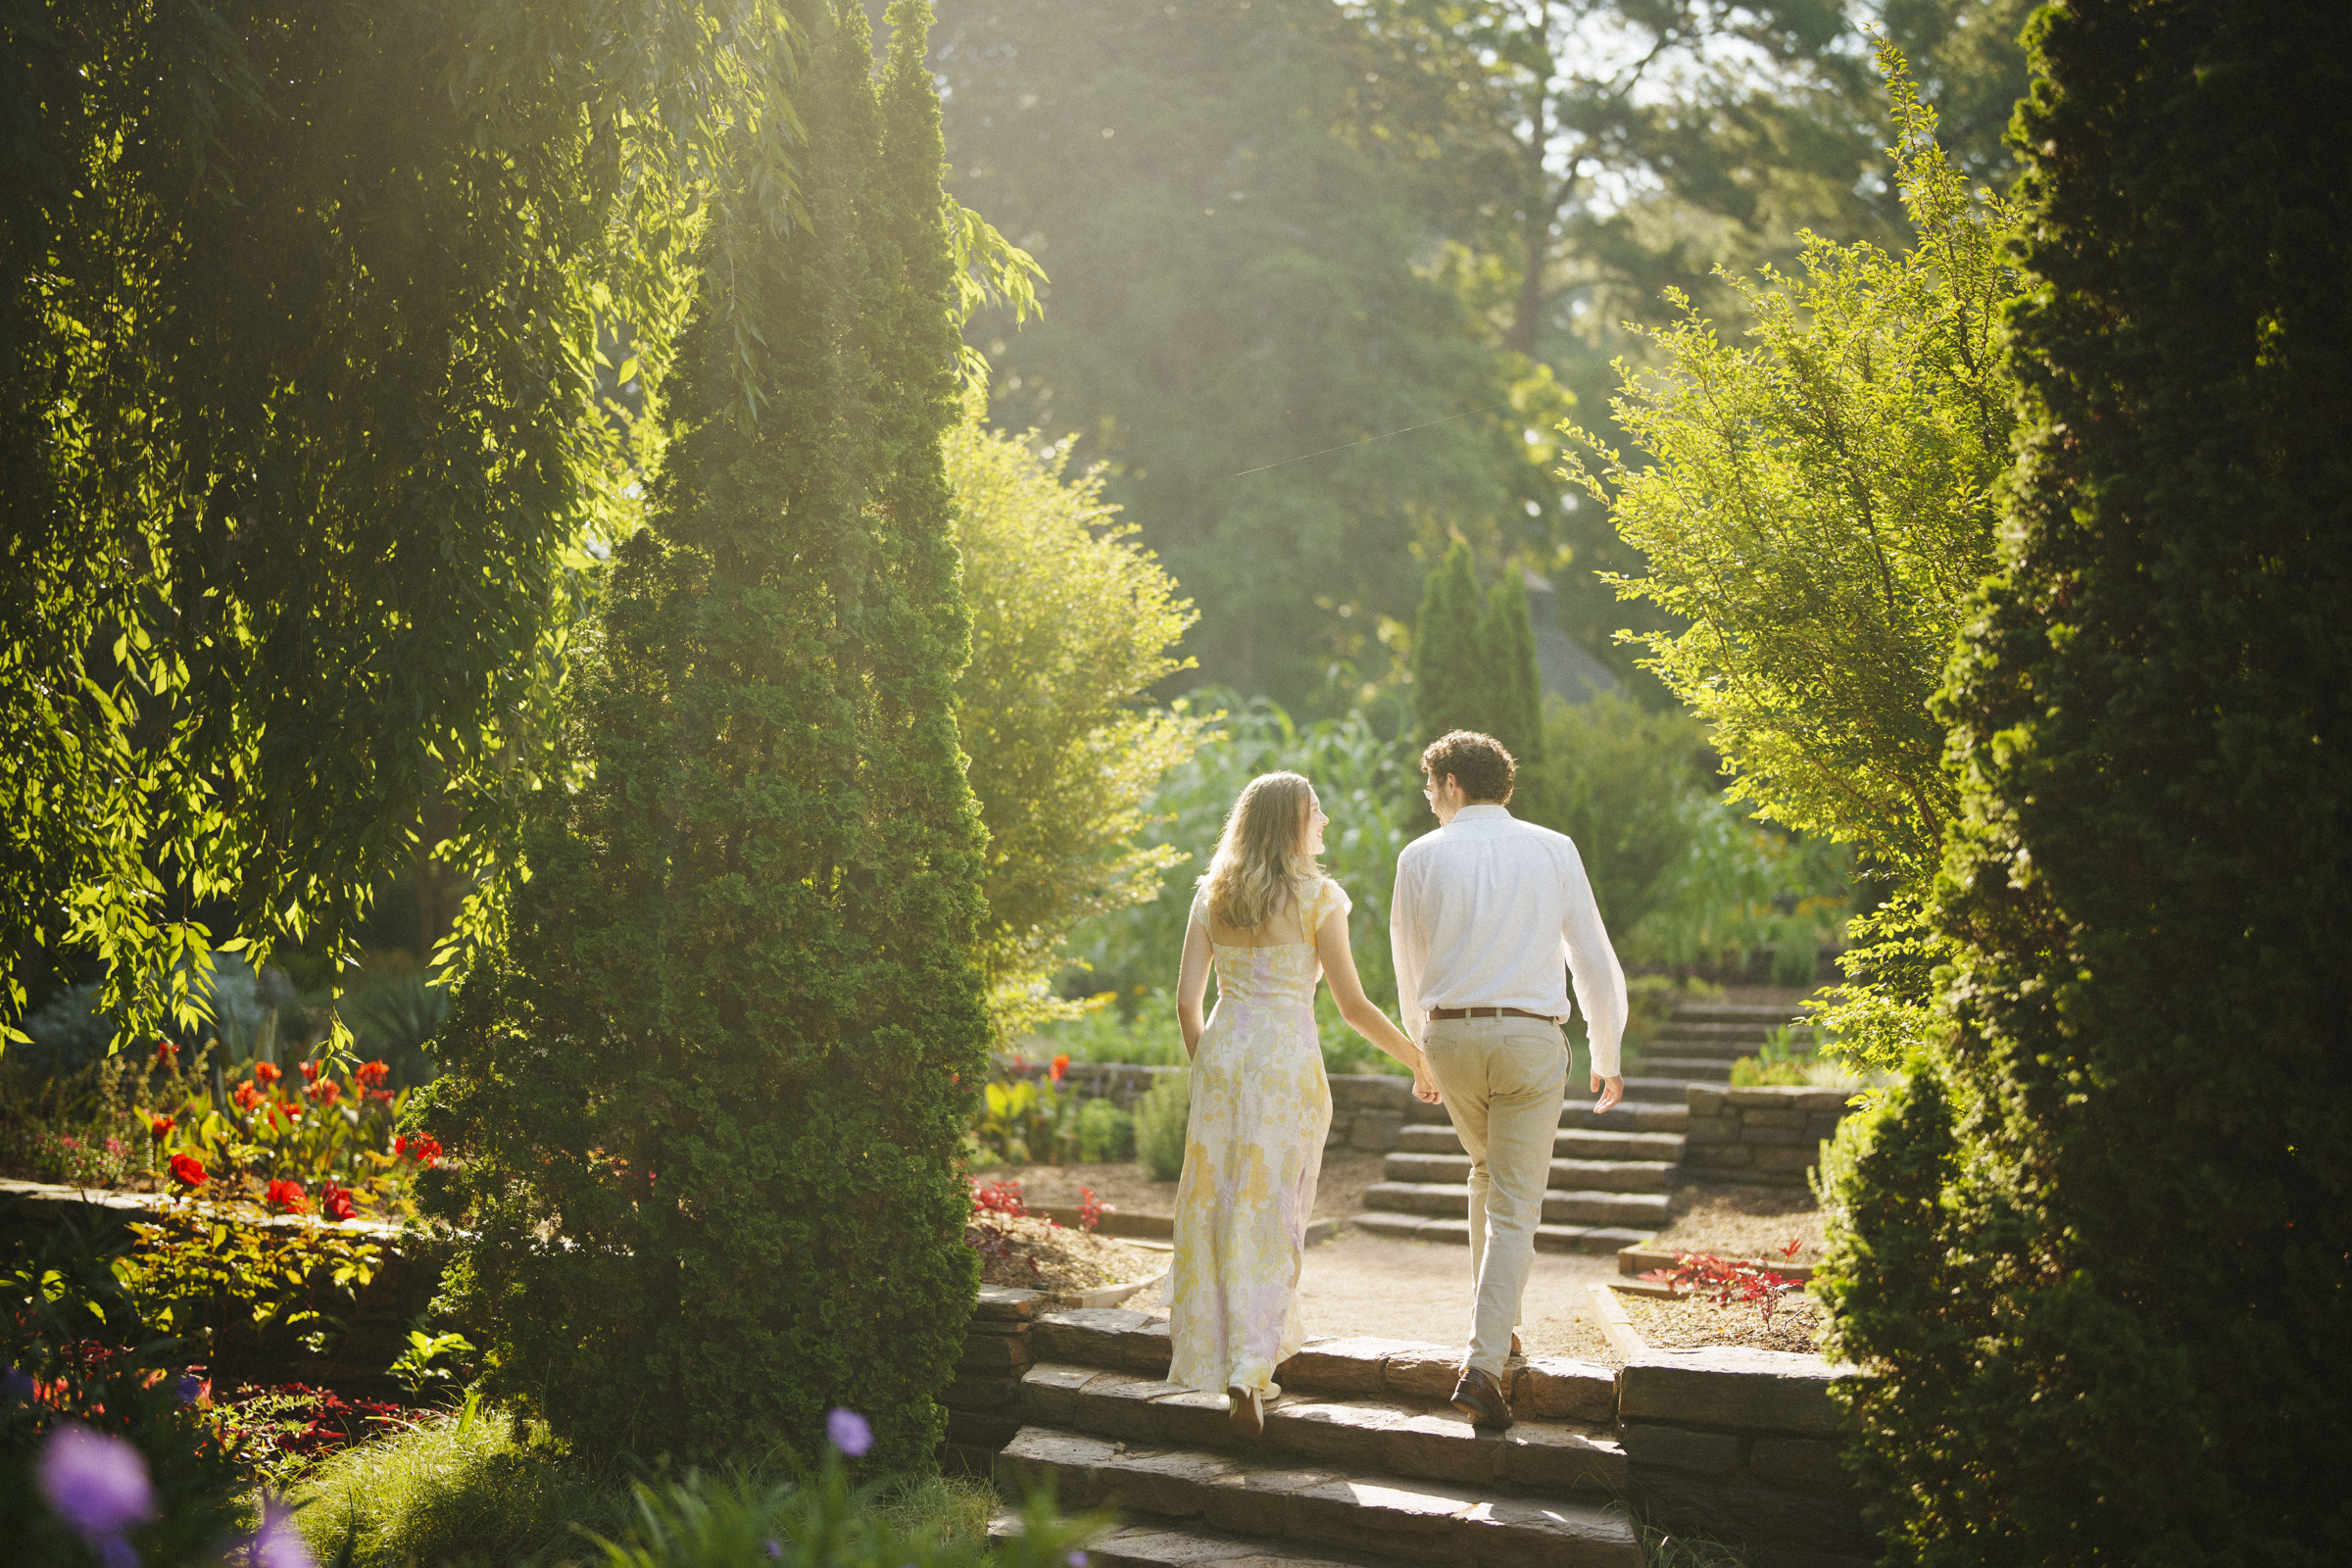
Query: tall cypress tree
[709,1100]
[1506,647]
[2098,1251]
[1448,684]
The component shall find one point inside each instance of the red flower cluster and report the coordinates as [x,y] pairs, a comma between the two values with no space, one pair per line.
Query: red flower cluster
[188,1170]
[335,1202]
[371,1074]
[1061,1065]
[160,1128]
[326,1092]
[998,1197]
[167,1054]
[310,1071]
[247,1097]
[1090,1208]
[287,1195]
[423,1151]
[265,1073]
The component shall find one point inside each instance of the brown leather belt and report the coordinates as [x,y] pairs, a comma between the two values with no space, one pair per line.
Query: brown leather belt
[1490,1012]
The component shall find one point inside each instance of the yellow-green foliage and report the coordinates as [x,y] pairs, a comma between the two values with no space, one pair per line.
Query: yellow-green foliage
[1072,623]
[1818,507]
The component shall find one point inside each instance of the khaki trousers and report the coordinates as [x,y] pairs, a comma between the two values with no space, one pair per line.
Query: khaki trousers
[1503,1080]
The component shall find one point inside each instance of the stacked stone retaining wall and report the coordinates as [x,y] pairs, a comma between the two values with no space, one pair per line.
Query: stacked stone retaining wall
[1764,1136]
[1368,1110]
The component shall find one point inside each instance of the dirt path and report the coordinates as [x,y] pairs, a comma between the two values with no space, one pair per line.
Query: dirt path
[1398,1289]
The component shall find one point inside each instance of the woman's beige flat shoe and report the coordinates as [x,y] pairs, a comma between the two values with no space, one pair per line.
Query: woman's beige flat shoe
[1246,1412]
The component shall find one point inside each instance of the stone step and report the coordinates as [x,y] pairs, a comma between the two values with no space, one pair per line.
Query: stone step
[1451,1200]
[1167,1544]
[1576,1113]
[1702,1069]
[1595,1240]
[1567,1175]
[1733,1013]
[1657,1089]
[1318,1505]
[1567,1144]
[1419,1438]
[1707,1050]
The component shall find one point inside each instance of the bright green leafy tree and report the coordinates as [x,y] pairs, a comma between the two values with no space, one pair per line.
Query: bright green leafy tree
[706,1105]
[1514,686]
[1818,508]
[1071,622]
[2096,1249]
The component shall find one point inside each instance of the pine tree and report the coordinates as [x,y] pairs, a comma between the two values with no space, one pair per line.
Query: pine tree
[2097,1251]
[1448,682]
[709,1100]
[1506,646]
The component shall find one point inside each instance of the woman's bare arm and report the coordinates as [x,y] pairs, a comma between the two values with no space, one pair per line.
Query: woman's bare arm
[1339,968]
[1191,983]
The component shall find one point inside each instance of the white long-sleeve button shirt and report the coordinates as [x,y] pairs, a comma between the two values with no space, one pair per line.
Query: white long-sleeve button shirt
[1495,912]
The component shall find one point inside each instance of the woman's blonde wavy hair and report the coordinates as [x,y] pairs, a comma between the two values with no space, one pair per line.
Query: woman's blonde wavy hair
[1262,858]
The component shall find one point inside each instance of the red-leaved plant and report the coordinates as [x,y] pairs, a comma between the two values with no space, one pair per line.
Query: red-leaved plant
[1726,1281]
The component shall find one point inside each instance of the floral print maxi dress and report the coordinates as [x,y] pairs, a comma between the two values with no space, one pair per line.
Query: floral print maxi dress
[1253,1147]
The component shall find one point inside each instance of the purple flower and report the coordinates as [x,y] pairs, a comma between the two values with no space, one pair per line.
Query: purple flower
[191,1388]
[773,1550]
[97,1483]
[279,1545]
[1077,1559]
[849,1432]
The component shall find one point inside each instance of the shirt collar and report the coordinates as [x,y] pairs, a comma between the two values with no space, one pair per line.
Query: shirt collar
[1482,811]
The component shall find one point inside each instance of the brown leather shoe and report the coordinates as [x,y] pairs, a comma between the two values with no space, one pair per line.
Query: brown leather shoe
[1480,1398]
[1246,1412]
[1514,1344]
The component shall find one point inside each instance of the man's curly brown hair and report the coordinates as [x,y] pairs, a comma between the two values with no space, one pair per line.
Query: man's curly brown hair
[1478,763]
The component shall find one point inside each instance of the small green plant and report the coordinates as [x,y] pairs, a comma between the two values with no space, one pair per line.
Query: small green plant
[413,1369]
[1104,1132]
[198,1270]
[1785,1059]
[1161,1120]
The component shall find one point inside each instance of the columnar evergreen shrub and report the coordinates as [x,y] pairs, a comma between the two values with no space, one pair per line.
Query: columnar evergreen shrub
[1447,691]
[705,1107]
[1514,687]
[2098,1252]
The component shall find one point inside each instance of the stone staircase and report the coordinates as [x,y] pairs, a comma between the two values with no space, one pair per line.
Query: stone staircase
[1610,1174]
[1361,1464]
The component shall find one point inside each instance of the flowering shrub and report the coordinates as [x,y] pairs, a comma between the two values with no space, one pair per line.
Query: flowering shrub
[280,1135]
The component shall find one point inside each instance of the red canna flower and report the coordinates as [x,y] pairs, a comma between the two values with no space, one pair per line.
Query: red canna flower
[188,1170]
[265,1073]
[310,1071]
[287,1195]
[247,1097]
[160,1128]
[373,1073]
[1061,1065]
[335,1202]
[165,1053]
[327,1092]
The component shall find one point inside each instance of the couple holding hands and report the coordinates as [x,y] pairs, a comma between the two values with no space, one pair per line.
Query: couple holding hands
[1490,917]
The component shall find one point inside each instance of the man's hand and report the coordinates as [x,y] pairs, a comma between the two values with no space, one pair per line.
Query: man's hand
[1610,1090]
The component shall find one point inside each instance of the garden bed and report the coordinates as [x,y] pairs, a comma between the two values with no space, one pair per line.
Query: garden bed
[1693,1322]
[1030,1253]
[1745,1223]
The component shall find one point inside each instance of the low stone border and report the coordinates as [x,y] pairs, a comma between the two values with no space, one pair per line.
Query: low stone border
[1616,1326]
[1641,1260]
[1368,1110]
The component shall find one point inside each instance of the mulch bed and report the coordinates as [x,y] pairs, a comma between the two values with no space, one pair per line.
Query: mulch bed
[1743,1223]
[1697,1320]
[1032,1254]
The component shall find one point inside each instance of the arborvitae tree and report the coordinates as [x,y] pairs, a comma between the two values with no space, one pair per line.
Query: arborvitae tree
[1506,646]
[707,1105]
[2097,1251]
[1448,685]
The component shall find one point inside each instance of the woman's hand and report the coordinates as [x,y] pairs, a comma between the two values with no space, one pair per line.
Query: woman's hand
[1425,1086]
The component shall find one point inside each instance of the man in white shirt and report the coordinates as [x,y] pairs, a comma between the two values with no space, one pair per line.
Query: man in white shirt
[1491,916]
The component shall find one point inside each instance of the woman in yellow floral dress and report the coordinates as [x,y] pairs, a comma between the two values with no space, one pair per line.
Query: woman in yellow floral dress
[1271,924]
